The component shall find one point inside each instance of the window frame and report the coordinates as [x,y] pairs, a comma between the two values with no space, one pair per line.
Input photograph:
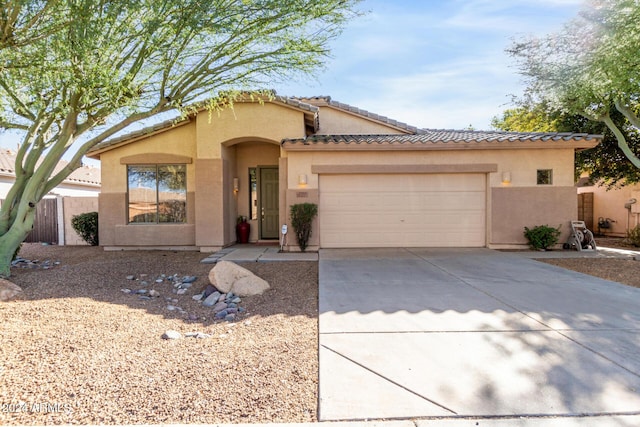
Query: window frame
[158,201]
[540,178]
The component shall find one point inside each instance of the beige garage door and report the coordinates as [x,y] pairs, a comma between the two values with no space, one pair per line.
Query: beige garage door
[416,210]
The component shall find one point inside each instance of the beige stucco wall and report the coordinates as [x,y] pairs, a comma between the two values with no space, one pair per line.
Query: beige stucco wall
[178,142]
[73,206]
[521,164]
[610,204]
[337,122]
[246,122]
[510,206]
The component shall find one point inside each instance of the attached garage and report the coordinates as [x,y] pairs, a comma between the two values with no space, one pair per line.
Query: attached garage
[402,210]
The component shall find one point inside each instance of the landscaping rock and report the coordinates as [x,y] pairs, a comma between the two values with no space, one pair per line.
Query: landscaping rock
[9,290]
[171,335]
[230,277]
[211,300]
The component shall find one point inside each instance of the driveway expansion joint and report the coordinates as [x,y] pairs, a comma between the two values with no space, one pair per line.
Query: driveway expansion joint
[389,380]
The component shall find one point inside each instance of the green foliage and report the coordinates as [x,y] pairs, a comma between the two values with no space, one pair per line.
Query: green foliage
[633,236]
[605,164]
[74,73]
[590,68]
[542,236]
[86,225]
[301,219]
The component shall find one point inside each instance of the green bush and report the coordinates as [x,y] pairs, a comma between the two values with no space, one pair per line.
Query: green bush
[86,225]
[301,218]
[542,236]
[633,236]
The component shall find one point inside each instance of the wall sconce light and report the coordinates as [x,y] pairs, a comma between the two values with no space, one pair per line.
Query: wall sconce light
[506,177]
[302,179]
[236,185]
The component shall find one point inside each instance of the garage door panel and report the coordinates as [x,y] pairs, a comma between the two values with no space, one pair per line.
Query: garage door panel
[402,210]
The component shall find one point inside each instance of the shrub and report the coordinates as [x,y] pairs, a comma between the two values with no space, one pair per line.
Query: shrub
[301,218]
[86,225]
[633,236]
[542,236]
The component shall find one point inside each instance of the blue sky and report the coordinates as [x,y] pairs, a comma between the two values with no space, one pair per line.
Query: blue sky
[434,63]
[431,63]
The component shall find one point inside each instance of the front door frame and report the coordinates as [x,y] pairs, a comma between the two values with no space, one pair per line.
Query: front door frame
[261,197]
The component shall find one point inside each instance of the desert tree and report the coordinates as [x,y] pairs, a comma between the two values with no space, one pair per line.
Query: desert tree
[73,73]
[590,68]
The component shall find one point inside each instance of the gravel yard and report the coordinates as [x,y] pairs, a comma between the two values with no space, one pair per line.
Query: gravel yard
[625,271]
[75,349]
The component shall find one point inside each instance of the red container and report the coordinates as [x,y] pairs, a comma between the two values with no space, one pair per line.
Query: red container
[242,232]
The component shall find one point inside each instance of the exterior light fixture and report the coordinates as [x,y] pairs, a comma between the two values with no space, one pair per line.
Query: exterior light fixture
[506,177]
[302,179]
[236,185]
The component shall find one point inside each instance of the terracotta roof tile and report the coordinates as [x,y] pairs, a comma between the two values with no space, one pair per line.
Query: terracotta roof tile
[85,174]
[442,136]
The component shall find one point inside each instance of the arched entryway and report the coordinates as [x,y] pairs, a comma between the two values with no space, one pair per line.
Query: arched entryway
[253,164]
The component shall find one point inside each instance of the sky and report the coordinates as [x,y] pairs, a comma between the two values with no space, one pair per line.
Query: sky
[438,64]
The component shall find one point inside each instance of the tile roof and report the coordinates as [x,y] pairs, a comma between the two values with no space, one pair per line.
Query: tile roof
[84,175]
[167,124]
[326,100]
[443,136]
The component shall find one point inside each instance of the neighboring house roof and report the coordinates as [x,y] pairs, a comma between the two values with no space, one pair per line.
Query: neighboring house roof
[445,139]
[85,175]
[327,101]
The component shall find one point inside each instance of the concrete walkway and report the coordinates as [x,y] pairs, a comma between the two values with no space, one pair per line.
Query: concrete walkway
[440,334]
[255,253]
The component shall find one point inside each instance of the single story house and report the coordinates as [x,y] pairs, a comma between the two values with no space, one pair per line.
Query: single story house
[377,182]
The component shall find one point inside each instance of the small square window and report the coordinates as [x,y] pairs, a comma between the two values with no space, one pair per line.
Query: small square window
[544,177]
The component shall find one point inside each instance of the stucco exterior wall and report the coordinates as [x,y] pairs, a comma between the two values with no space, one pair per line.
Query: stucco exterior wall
[520,164]
[75,206]
[336,122]
[246,122]
[510,206]
[610,204]
[176,143]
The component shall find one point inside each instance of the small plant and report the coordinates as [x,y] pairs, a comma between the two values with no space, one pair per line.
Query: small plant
[86,225]
[301,218]
[542,236]
[633,236]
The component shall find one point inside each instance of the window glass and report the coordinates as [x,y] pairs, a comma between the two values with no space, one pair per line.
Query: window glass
[142,194]
[157,194]
[172,193]
[253,194]
[545,177]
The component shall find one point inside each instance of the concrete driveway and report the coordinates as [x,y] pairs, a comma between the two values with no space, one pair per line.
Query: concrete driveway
[419,333]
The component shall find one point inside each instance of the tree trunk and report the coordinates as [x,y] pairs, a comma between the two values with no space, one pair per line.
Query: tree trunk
[11,241]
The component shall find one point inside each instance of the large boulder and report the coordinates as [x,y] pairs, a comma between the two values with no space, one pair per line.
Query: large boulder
[8,290]
[230,277]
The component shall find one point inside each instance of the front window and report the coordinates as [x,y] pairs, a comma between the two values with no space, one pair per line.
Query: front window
[544,177]
[157,194]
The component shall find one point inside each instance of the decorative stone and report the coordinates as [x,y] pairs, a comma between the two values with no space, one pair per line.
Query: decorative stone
[219,306]
[230,277]
[211,299]
[131,277]
[171,335]
[171,307]
[209,290]
[236,300]
[221,314]
[9,290]
[181,291]
[197,297]
[126,290]
[189,279]
[154,293]
[230,317]
[141,291]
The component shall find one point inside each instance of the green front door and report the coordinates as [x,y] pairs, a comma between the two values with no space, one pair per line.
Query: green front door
[268,202]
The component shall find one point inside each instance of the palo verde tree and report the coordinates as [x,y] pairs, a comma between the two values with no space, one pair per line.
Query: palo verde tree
[75,72]
[590,68]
